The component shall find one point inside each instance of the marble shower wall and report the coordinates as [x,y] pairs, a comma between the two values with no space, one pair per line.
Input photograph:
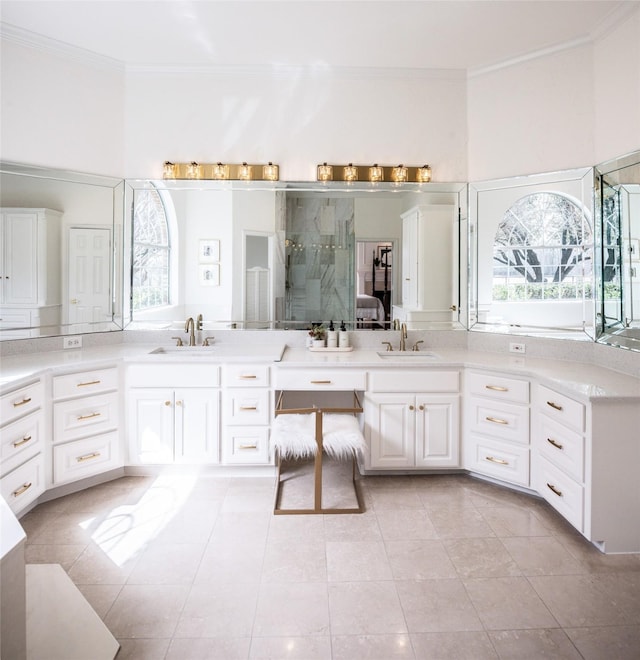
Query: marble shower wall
[320,257]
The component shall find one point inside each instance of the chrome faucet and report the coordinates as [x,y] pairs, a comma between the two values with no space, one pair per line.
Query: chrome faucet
[403,337]
[189,326]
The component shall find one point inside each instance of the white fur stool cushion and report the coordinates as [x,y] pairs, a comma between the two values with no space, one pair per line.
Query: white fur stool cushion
[341,435]
[295,435]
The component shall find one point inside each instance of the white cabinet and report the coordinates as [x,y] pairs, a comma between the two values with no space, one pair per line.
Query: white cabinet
[174,413]
[30,247]
[497,427]
[21,445]
[246,414]
[86,416]
[429,236]
[412,419]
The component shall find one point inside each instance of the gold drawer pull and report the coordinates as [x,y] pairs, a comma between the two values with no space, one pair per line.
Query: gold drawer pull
[87,457]
[497,388]
[557,445]
[553,489]
[320,382]
[248,407]
[499,461]
[555,406]
[91,382]
[22,489]
[496,420]
[89,416]
[17,404]
[247,377]
[248,446]
[19,443]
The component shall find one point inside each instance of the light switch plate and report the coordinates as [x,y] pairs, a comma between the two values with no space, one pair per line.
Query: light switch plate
[516,348]
[72,342]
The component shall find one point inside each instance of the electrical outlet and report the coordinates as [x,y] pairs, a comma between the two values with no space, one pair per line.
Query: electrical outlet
[72,342]
[516,348]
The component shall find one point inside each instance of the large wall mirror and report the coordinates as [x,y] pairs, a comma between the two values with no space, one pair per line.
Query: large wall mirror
[61,249]
[532,255]
[618,256]
[286,255]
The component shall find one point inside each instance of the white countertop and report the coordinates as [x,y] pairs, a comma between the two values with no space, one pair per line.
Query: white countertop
[583,380]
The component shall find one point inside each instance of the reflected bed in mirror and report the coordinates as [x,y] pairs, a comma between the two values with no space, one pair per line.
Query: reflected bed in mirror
[618,205]
[532,252]
[61,239]
[286,255]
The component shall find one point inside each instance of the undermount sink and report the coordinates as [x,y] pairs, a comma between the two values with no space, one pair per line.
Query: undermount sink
[407,355]
[233,353]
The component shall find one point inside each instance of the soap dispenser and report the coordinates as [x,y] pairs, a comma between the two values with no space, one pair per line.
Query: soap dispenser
[332,336]
[343,337]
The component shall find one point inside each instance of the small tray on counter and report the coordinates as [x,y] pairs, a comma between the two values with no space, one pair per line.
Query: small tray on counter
[326,349]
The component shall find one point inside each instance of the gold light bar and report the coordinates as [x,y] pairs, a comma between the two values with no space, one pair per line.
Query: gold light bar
[374,173]
[221,171]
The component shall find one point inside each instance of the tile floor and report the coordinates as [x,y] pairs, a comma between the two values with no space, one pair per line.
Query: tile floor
[183,567]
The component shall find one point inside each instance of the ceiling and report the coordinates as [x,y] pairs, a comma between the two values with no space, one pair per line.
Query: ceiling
[427,34]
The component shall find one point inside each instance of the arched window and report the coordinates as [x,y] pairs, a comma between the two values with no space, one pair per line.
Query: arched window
[151,251]
[543,251]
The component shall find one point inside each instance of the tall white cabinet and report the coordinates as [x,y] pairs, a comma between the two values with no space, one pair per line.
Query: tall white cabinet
[30,294]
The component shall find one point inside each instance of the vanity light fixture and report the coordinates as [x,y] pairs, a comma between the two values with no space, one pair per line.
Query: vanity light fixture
[270,172]
[423,174]
[325,172]
[220,171]
[245,172]
[193,170]
[169,170]
[400,174]
[376,173]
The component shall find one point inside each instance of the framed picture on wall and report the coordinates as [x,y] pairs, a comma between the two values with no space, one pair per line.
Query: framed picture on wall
[209,274]
[209,251]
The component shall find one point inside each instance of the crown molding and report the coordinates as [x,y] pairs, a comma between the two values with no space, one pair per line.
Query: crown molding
[21,37]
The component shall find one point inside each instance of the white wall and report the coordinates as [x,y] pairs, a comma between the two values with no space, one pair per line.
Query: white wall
[58,112]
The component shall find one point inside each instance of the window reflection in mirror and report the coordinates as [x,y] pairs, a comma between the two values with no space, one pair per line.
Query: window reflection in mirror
[534,255]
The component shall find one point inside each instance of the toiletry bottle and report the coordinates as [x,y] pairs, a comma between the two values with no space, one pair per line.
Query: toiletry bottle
[343,337]
[332,336]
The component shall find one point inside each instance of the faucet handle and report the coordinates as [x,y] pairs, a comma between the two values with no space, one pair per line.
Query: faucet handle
[178,340]
[206,341]
[389,346]
[415,346]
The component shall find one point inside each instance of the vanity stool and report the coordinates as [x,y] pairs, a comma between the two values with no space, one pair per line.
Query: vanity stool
[304,433]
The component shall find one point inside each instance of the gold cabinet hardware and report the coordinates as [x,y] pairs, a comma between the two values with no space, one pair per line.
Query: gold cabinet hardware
[90,382]
[496,420]
[320,382]
[453,308]
[179,402]
[248,446]
[74,301]
[87,457]
[553,489]
[555,406]
[410,407]
[496,388]
[420,407]
[247,377]
[557,445]
[248,407]
[22,489]
[81,418]
[19,443]
[493,459]
[167,403]
[17,404]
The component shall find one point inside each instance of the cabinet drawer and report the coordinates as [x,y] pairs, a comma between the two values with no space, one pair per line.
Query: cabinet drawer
[246,406]
[413,380]
[563,493]
[561,446]
[20,402]
[561,408]
[78,418]
[504,461]
[242,375]
[22,486]
[84,383]
[500,388]
[320,379]
[82,458]
[499,419]
[20,441]
[246,445]
[173,375]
